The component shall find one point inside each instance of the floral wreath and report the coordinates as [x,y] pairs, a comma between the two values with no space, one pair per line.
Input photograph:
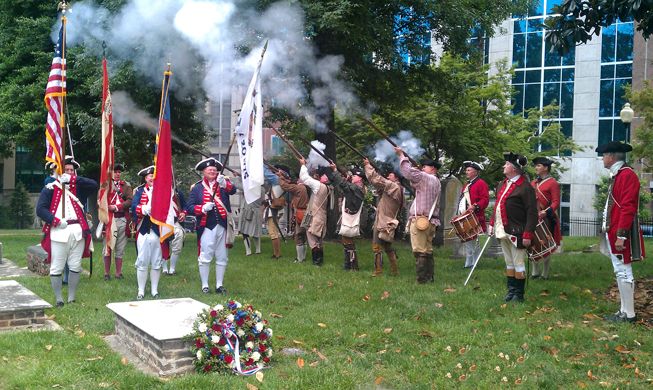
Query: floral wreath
[232,338]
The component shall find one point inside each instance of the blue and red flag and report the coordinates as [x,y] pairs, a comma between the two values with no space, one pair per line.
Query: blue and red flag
[163,213]
[55,92]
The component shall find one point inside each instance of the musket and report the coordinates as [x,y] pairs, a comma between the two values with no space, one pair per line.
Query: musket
[353,149]
[477,259]
[387,138]
[226,157]
[274,169]
[192,149]
[290,145]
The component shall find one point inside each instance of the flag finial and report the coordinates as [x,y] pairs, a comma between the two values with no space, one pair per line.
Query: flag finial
[63,6]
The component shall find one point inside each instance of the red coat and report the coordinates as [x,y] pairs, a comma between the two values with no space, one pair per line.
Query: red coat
[547,193]
[479,195]
[622,210]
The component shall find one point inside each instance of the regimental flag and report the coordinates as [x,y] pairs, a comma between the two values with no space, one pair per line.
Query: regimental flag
[163,213]
[249,133]
[55,93]
[107,194]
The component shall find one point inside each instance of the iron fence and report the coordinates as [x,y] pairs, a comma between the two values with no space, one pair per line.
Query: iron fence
[590,227]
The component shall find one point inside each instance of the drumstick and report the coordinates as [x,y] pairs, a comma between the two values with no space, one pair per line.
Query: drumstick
[477,259]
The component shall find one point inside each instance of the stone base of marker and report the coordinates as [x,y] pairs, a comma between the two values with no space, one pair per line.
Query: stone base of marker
[20,308]
[36,257]
[153,332]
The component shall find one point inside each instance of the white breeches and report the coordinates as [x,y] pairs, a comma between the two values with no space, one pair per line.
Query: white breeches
[213,245]
[149,252]
[66,252]
[177,243]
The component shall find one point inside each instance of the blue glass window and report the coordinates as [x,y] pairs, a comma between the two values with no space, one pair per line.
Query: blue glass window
[567,100]
[606,105]
[518,50]
[607,44]
[624,42]
[551,94]
[533,76]
[551,75]
[550,4]
[534,50]
[532,96]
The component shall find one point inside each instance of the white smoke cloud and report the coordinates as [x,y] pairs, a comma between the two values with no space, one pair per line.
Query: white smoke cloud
[201,39]
[314,159]
[384,151]
[126,111]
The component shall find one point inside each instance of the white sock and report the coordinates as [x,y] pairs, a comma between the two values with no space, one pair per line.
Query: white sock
[155,274]
[219,274]
[628,298]
[248,248]
[141,277]
[301,252]
[257,242]
[204,274]
[173,262]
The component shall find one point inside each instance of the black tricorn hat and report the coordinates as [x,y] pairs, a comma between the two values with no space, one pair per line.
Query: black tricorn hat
[542,160]
[430,162]
[70,160]
[208,162]
[283,168]
[473,164]
[517,160]
[146,171]
[118,167]
[357,171]
[614,147]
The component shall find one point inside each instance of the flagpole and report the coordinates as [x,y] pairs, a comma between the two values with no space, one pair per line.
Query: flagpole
[63,6]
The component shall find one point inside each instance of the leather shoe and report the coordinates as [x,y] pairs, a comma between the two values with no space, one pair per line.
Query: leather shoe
[221,290]
[205,290]
[59,304]
[139,297]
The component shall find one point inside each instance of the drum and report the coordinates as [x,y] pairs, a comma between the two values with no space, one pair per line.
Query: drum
[466,227]
[542,243]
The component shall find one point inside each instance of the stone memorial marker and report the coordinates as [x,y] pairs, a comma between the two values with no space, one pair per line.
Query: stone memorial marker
[20,308]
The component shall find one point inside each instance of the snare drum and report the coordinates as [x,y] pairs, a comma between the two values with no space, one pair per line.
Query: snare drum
[542,243]
[466,227]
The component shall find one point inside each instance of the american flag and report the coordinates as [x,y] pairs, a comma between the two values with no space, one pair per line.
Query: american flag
[55,92]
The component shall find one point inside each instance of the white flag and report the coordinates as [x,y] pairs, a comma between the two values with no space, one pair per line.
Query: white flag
[249,138]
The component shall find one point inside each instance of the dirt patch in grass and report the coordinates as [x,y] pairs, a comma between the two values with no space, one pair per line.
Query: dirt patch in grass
[643,299]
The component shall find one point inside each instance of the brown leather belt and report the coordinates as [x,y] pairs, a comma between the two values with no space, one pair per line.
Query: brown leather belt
[119,214]
[72,221]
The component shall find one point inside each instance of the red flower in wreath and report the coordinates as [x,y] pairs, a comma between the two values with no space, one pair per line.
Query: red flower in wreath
[262,336]
[216,327]
[215,351]
[199,343]
[261,348]
[207,368]
[266,359]
[214,313]
[228,359]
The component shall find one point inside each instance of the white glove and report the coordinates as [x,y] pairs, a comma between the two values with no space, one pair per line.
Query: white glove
[490,230]
[62,224]
[208,207]
[222,181]
[65,178]
[145,210]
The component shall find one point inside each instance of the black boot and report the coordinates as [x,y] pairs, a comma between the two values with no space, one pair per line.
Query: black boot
[314,255]
[511,289]
[353,259]
[519,290]
[347,264]
[319,257]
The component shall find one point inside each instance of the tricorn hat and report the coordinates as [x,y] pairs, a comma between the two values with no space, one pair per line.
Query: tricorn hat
[70,160]
[543,160]
[614,147]
[473,164]
[118,167]
[283,168]
[146,171]
[517,160]
[430,162]
[208,162]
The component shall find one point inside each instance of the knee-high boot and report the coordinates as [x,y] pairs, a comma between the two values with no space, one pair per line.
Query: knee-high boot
[73,282]
[392,257]
[276,248]
[378,264]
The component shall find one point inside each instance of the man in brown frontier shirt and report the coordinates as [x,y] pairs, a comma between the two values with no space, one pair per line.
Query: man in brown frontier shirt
[300,196]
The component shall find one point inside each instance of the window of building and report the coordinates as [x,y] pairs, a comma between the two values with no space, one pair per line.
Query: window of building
[616,75]
[542,76]
[221,123]
[29,169]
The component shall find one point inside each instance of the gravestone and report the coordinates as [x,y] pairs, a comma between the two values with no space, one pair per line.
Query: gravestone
[20,308]
[449,196]
[36,257]
[153,331]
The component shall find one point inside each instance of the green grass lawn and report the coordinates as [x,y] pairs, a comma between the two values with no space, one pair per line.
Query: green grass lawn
[386,332]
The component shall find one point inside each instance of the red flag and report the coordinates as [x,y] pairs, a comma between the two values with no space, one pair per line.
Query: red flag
[107,192]
[55,92]
[163,213]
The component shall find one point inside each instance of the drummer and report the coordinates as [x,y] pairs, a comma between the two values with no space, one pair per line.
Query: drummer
[513,222]
[547,192]
[474,198]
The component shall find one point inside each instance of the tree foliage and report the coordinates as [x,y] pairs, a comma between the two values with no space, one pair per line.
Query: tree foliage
[642,101]
[579,20]
[602,195]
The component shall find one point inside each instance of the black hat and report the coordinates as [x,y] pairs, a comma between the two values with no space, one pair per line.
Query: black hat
[118,167]
[386,168]
[283,168]
[430,162]
[322,170]
[543,160]
[50,165]
[517,160]
[70,160]
[357,172]
[473,164]
[146,171]
[208,162]
[614,147]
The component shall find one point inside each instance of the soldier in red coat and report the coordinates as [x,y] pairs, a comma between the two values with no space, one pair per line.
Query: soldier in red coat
[621,225]
[474,198]
[547,193]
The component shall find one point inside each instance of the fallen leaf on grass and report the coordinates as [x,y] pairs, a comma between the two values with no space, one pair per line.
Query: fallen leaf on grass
[79,333]
[504,306]
[300,362]
[449,290]
[520,359]
[439,305]
[321,325]
[315,363]
[301,287]
[366,297]
[251,387]
[362,336]
[504,379]
[622,349]
[448,375]
[448,348]
[89,346]
[381,352]
[329,284]
[124,361]
[563,296]
[275,315]
[378,380]
[462,377]
[518,381]
[297,342]
[547,337]
[581,385]
[637,373]
[319,354]
[104,384]
[590,375]
[48,347]
[259,376]
[387,330]
[426,333]
[497,369]
[94,358]
[472,368]
[462,350]
[544,293]
[56,385]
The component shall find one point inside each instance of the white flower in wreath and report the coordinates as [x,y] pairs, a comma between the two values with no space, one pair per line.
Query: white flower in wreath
[215,339]
[258,313]
[202,327]
[238,305]
[240,332]
[230,318]
[269,331]
[249,345]
[260,364]
[258,326]
[256,356]
[269,352]
[199,355]
[218,307]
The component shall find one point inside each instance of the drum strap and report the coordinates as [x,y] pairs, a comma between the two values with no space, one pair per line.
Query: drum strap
[542,193]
